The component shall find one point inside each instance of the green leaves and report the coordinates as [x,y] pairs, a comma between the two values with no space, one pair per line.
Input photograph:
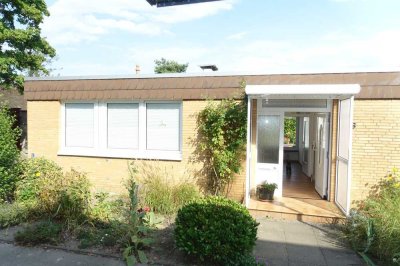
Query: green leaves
[222,128]
[169,66]
[216,229]
[22,49]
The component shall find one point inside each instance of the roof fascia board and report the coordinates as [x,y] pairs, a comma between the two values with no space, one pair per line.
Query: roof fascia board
[304,91]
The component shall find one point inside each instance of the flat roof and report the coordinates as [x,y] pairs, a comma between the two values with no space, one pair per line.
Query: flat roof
[207,74]
[199,86]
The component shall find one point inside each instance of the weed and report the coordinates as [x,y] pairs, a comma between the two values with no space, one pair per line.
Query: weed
[43,233]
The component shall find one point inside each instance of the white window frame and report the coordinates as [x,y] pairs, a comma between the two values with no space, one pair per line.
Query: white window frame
[101,149]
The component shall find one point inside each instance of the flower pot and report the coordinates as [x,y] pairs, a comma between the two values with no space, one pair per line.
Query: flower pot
[265,194]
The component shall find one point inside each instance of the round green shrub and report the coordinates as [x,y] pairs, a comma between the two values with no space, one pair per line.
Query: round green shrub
[216,230]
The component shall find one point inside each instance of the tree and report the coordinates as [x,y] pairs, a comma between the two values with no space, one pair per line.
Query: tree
[290,129]
[9,153]
[22,49]
[169,66]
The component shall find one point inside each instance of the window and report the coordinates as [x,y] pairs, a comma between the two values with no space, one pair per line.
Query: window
[148,130]
[79,125]
[163,120]
[123,125]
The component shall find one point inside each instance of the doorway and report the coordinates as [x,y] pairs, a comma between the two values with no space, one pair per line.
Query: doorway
[292,147]
[306,155]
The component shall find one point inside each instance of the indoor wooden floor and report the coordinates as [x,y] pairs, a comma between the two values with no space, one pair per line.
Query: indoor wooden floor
[298,185]
[299,198]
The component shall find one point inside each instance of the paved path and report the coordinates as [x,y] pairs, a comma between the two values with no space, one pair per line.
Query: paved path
[11,255]
[286,243]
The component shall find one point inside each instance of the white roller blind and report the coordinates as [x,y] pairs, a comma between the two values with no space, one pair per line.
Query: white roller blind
[123,125]
[163,126]
[79,125]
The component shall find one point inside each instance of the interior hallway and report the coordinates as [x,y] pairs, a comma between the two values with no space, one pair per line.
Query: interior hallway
[298,185]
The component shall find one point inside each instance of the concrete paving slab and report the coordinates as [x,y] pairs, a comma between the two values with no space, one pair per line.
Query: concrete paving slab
[298,243]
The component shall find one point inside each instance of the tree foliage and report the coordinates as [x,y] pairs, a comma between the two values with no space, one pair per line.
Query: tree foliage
[222,128]
[169,66]
[22,49]
[9,154]
[290,129]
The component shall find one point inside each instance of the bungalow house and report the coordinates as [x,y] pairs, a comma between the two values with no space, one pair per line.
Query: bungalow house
[347,131]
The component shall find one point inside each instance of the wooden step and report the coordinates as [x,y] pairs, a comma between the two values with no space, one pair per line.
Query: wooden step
[325,219]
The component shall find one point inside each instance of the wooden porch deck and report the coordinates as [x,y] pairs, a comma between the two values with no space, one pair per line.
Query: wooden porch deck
[300,202]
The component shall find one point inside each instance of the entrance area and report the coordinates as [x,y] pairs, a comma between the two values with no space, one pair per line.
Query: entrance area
[299,138]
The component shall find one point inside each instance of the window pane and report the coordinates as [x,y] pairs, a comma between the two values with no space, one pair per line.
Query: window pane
[79,125]
[163,126]
[268,129]
[123,125]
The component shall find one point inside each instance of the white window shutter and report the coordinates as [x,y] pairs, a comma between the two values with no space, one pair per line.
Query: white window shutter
[79,125]
[163,127]
[123,125]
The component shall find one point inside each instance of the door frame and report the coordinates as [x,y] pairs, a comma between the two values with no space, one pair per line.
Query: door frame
[282,110]
[293,91]
[346,209]
[327,155]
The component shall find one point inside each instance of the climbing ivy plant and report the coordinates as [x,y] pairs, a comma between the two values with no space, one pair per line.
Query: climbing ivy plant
[222,130]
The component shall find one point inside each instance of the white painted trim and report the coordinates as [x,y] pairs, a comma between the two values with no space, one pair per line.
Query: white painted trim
[349,160]
[101,149]
[121,153]
[248,154]
[309,91]
[327,109]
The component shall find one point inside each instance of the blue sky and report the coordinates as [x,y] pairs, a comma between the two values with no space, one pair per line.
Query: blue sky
[102,37]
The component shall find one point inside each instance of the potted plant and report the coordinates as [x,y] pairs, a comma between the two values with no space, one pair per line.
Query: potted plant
[265,191]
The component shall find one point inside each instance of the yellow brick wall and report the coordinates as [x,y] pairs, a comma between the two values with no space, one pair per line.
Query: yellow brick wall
[376,143]
[107,174]
[334,125]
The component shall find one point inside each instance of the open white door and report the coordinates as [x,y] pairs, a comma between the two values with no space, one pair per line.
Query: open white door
[270,149]
[343,163]
[321,154]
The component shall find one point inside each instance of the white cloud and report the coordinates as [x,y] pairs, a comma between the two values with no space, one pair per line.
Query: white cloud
[74,21]
[345,53]
[237,36]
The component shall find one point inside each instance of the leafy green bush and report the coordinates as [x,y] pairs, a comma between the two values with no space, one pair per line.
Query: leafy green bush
[106,209]
[75,197]
[16,213]
[375,227]
[42,233]
[217,230]
[221,141]
[9,154]
[39,177]
[62,196]
[161,191]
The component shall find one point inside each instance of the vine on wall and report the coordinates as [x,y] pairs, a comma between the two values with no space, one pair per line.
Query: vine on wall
[222,130]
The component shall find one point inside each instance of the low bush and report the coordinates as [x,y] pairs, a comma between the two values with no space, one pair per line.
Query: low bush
[160,190]
[41,233]
[217,230]
[105,209]
[41,178]
[62,196]
[108,237]
[16,213]
[375,227]
[9,154]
